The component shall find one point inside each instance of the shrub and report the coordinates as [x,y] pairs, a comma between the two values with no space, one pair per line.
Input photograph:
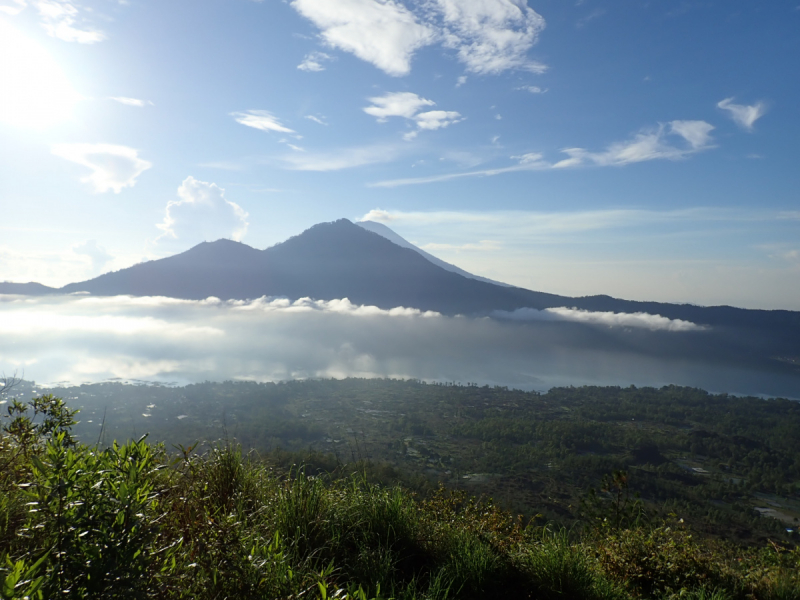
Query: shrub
[658,561]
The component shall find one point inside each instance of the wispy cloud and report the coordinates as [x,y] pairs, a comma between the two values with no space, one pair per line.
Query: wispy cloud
[341,158]
[607,319]
[537,223]
[202,214]
[533,89]
[743,115]
[113,167]
[645,146]
[654,144]
[530,165]
[60,19]
[697,133]
[316,119]
[489,36]
[595,14]
[13,7]
[131,101]
[262,120]
[407,105]
[313,61]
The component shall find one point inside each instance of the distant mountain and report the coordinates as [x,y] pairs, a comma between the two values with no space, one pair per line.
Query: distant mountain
[390,235]
[345,260]
[25,289]
[329,260]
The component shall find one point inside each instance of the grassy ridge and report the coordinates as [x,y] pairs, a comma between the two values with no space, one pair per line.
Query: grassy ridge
[77,521]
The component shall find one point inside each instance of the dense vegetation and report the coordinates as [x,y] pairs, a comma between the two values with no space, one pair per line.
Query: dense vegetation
[133,520]
[729,466]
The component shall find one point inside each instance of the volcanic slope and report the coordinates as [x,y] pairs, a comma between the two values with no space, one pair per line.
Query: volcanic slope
[327,261]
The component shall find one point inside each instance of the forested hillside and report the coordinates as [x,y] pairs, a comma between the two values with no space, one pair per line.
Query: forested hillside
[728,465]
[130,521]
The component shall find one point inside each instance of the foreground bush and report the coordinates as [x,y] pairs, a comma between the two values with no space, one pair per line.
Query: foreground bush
[127,522]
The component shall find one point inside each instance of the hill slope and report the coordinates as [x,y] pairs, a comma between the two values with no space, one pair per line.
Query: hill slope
[329,260]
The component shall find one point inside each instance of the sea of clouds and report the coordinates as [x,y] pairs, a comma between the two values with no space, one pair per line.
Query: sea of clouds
[77,339]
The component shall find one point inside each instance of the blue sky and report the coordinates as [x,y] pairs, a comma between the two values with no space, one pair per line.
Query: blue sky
[646,150]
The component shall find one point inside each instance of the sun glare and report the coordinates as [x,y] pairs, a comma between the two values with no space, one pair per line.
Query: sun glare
[34,92]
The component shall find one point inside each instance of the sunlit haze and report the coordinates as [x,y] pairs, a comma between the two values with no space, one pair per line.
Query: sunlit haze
[35,92]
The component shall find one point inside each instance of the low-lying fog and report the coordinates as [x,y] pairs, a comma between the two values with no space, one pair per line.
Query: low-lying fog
[87,339]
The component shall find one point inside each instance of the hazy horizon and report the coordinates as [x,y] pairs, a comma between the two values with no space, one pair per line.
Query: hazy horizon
[77,339]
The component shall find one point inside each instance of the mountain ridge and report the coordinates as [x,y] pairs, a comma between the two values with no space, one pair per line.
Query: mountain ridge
[341,259]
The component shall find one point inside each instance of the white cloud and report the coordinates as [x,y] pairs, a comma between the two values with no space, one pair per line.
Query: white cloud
[59,19]
[408,105]
[14,8]
[131,101]
[313,61]
[260,119]
[743,115]
[436,119]
[316,119]
[490,36]
[381,32]
[202,214]
[396,104]
[533,89]
[98,255]
[606,319]
[342,158]
[461,80]
[113,167]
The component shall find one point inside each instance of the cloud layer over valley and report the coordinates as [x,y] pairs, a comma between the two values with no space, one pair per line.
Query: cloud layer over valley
[79,338]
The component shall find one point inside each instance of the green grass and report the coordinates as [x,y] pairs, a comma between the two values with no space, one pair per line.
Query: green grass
[130,522]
